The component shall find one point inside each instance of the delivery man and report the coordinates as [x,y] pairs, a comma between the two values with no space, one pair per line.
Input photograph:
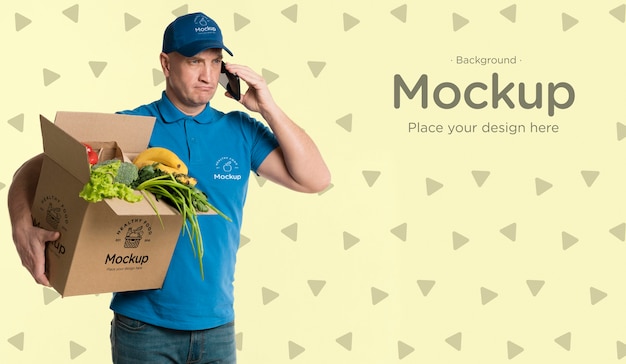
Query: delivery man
[191,319]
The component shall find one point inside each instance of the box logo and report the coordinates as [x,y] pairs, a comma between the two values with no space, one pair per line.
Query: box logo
[53,216]
[133,237]
[54,211]
[56,217]
[132,233]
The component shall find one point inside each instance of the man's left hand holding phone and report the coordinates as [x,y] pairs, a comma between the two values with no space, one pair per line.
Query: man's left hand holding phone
[231,83]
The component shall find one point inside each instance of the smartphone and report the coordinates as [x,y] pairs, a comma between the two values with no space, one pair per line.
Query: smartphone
[230,82]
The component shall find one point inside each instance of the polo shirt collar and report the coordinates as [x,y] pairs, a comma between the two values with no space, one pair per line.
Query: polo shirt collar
[171,114]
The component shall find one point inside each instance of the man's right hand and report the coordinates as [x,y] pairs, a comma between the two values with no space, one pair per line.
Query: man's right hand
[30,243]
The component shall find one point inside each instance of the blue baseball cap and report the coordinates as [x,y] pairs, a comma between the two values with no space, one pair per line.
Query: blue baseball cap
[191,34]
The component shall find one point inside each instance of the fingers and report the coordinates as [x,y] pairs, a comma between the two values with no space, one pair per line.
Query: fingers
[246,74]
[39,268]
[51,235]
[32,253]
[35,262]
[41,278]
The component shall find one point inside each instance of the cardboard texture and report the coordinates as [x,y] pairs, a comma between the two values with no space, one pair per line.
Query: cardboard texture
[108,246]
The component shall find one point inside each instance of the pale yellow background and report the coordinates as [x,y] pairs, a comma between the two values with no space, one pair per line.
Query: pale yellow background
[401,324]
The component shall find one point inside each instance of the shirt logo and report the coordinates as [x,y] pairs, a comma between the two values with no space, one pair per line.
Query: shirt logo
[227,169]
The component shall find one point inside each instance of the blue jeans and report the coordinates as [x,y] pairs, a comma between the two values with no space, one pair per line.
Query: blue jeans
[135,342]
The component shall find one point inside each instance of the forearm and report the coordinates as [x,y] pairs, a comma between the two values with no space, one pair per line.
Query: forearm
[302,158]
[30,241]
[22,192]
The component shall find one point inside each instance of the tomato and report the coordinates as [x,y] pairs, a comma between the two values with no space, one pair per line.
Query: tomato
[92,156]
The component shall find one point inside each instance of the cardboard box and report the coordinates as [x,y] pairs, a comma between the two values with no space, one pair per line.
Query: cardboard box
[108,246]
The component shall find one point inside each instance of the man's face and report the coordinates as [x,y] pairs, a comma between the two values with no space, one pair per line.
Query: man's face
[192,81]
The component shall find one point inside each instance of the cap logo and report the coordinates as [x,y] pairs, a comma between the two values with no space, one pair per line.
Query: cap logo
[202,24]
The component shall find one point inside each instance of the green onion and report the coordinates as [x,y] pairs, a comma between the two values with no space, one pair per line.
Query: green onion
[188,200]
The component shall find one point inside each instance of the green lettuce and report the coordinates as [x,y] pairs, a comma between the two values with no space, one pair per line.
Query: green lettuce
[103,183]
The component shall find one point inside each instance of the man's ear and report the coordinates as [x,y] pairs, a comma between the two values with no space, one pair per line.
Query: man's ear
[165,63]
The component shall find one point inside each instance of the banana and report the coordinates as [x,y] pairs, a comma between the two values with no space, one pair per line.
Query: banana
[167,160]
[185,179]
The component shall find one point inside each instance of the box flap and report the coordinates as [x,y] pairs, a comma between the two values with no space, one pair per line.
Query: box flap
[62,140]
[64,150]
[132,133]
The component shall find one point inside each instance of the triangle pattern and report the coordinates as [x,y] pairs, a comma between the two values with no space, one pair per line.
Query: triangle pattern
[400,231]
[458,240]
[49,77]
[182,10]
[97,67]
[542,186]
[17,341]
[510,231]
[480,177]
[316,286]
[400,13]
[513,349]
[621,350]
[432,186]
[260,180]
[455,341]
[72,13]
[404,350]
[240,21]
[487,295]
[345,122]
[49,295]
[269,76]
[565,341]
[291,231]
[2,186]
[291,13]
[590,177]
[378,295]
[568,21]
[568,240]
[425,286]
[345,341]
[621,131]
[76,350]
[295,350]
[316,67]
[239,341]
[535,286]
[157,77]
[371,177]
[619,13]
[349,22]
[596,295]
[510,13]
[458,22]
[619,231]
[268,295]
[243,240]
[349,240]
[330,186]
[21,22]
[17,122]
[130,22]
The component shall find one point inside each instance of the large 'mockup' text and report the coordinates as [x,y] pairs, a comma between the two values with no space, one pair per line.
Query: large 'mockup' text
[560,95]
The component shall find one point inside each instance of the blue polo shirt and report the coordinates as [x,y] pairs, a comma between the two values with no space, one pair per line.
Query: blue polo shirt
[220,150]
